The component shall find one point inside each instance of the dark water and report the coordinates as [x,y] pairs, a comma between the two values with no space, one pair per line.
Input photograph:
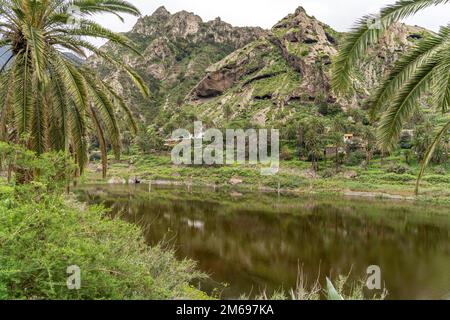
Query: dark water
[254,242]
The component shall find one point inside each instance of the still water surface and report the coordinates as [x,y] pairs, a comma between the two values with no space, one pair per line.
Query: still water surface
[249,243]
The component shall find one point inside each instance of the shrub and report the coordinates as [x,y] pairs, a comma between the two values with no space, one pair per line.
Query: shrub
[40,239]
[393,177]
[355,158]
[286,154]
[440,170]
[54,169]
[327,109]
[397,169]
[437,179]
[328,173]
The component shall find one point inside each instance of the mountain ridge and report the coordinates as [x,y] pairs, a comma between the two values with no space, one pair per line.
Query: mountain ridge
[176,49]
[220,73]
[293,65]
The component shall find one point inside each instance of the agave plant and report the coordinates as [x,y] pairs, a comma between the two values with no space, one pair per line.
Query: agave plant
[423,70]
[49,100]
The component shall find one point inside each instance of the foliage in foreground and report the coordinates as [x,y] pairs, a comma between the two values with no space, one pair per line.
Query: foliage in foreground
[51,100]
[423,71]
[42,235]
[342,290]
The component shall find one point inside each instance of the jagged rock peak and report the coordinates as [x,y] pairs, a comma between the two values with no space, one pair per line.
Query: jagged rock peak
[298,17]
[300,10]
[161,12]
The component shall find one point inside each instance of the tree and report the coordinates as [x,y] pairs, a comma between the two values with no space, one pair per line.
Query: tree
[408,155]
[149,139]
[423,138]
[369,139]
[311,132]
[424,70]
[50,97]
[337,137]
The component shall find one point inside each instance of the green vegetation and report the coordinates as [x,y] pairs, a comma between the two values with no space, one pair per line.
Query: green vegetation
[423,71]
[390,177]
[43,232]
[55,111]
[49,100]
[344,290]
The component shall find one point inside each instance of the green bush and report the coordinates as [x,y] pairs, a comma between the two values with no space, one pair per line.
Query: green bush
[437,179]
[53,170]
[328,173]
[393,177]
[355,158]
[397,169]
[40,239]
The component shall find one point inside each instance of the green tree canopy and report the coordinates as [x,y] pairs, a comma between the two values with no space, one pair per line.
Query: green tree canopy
[49,99]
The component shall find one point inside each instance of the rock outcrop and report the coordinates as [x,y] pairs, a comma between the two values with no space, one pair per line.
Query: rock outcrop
[177,49]
[271,78]
[225,73]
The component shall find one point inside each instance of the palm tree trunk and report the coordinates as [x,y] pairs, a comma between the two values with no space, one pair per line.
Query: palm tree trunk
[10,169]
[337,158]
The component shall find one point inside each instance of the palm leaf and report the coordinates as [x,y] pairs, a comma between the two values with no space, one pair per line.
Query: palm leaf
[414,59]
[429,154]
[363,35]
[404,103]
[48,98]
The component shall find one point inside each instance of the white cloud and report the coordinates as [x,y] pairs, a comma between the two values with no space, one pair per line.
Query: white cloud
[339,14]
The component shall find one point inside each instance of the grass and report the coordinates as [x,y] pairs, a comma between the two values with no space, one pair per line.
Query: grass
[294,176]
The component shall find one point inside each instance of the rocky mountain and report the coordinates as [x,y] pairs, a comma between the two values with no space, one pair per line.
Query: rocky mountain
[176,51]
[274,78]
[223,74]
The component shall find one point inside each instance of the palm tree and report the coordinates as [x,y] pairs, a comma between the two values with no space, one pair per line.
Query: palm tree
[424,70]
[312,137]
[337,137]
[50,99]
[369,144]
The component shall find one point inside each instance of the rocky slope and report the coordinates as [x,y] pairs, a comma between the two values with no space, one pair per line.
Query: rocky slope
[223,74]
[177,48]
[272,79]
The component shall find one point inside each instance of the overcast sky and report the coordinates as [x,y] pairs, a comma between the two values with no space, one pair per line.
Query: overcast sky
[339,14]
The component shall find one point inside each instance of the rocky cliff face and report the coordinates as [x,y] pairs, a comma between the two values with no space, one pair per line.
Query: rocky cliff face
[189,26]
[177,48]
[274,77]
[226,74]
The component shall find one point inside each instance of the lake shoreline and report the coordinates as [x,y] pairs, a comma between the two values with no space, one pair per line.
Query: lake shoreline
[281,191]
[294,177]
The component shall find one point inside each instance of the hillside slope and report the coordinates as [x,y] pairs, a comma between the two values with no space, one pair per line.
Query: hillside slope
[226,75]
[176,49]
[288,71]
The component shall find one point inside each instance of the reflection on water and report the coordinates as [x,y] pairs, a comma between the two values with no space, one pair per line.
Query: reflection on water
[256,242]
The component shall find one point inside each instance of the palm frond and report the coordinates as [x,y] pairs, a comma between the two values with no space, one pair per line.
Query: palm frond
[103,105]
[424,51]
[441,85]
[404,103]
[49,99]
[23,97]
[102,142]
[367,32]
[7,92]
[429,154]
